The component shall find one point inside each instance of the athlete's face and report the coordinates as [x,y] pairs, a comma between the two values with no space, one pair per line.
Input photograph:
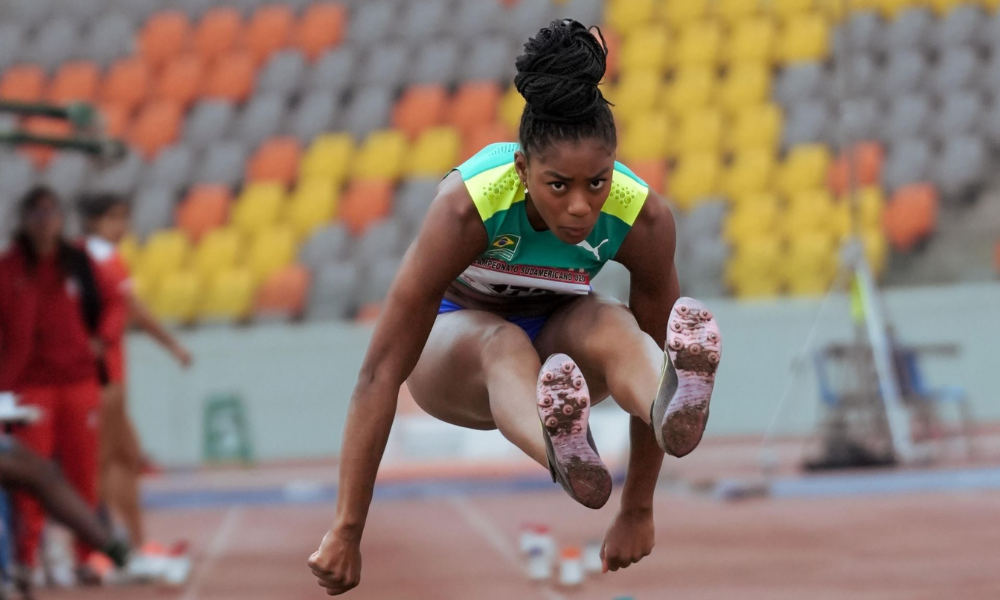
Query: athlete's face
[113,225]
[43,223]
[567,186]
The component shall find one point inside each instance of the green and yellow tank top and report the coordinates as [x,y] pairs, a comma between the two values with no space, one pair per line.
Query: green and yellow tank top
[520,262]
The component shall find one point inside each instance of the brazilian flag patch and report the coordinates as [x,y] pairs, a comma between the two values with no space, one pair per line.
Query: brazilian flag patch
[504,246]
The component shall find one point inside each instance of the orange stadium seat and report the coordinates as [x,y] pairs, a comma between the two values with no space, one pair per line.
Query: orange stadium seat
[269,30]
[283,293]
[218,33]
[277,159]
[23,83]
[181,79]
[76,81]
[205,208]
[911,215]
[155,127]
[164,35]
[321,27]
[364,202]
[421,107]
[614,42]
[41,155]
[484,135]
[653,172]
[867,158]
[126,84]
[474,104]
[232,78]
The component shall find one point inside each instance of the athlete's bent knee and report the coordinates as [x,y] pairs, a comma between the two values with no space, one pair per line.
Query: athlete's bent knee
[504,340]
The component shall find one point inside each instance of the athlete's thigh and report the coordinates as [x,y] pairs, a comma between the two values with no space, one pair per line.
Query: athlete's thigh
[449,381]
[591,329]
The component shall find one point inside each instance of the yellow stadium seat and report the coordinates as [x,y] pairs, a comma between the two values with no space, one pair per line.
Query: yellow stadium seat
[810,265]
[258,207]
[755,127]
[646,137]
[943,7]
[166,251]
[625,15]
[313,204]
[750,172]
[128,249]
[680,13]
[381,156]
[876,249]
[434,152]
[698,44]
[891,8]
[871,203]
[691,88]
[753,270]
[143,287]
[788,9]
[330,156]
[636,94]
[699,130]
[746,84]
[810,211]
[732,12]
[804,38]
[756,215]
[218,251]
[511,107]
[228,296]
[695,177]
[646,49]
[991,5]
[805,168]
[270,250]
[177,297]
[751,40]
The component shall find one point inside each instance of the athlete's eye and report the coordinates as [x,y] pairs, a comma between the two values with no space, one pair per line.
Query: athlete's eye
[557,186]
[597,184]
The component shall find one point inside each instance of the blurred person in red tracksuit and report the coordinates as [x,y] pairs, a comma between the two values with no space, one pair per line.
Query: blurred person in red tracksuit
[56,318]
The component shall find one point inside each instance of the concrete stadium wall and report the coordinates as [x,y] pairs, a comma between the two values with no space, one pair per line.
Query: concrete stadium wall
[296,380]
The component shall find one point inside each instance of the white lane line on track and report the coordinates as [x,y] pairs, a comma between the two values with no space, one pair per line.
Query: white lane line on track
[218,547]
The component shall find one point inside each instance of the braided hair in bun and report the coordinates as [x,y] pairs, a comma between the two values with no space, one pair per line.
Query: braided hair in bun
[558,76]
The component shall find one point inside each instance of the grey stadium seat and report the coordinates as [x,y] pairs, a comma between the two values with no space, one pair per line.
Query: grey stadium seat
[83,11]
[377,279]
[961,113]
[908,117]
[414,200]
[989,33]
[209,122]
[990,80]
[489,59]
[991,124]
[55,43]
[223,163]
[859,120]
[284,73]
[194,9]
[333,292]
[957,68]
[910,30]
[172,168]
[855,78]
[424,20]
[706,260]
[960,27]
[381,240]
[334,71]
[706,219]
[17,175]
[153,210]
[314,115]
[962,166]
[67,174]
[137,10]
[260,120]
[859,34]
[800,82]
[437,62]
[526,18]
[110,38]
[30,13]
[805,123]
[904,72]
[372,22]
[119,178]
[476,18]
[367,110]
[386,66]
[11,43]
[907,162]
[588,12]
[330,244]
[246,7]
[613,280]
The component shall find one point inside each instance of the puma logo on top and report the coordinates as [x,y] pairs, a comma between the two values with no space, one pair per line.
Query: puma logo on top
[586,246]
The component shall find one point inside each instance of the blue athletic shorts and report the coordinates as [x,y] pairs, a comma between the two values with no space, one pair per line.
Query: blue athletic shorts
[530,325]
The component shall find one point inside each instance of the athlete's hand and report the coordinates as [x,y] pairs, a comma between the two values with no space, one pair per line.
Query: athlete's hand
[629,539]
[337,563]
[181,355]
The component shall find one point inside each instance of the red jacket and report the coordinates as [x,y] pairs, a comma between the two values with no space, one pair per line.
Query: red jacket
[43,336]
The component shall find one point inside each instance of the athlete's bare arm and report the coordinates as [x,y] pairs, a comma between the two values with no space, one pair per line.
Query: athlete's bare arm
[648,254]
[149,323]
[451,237]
